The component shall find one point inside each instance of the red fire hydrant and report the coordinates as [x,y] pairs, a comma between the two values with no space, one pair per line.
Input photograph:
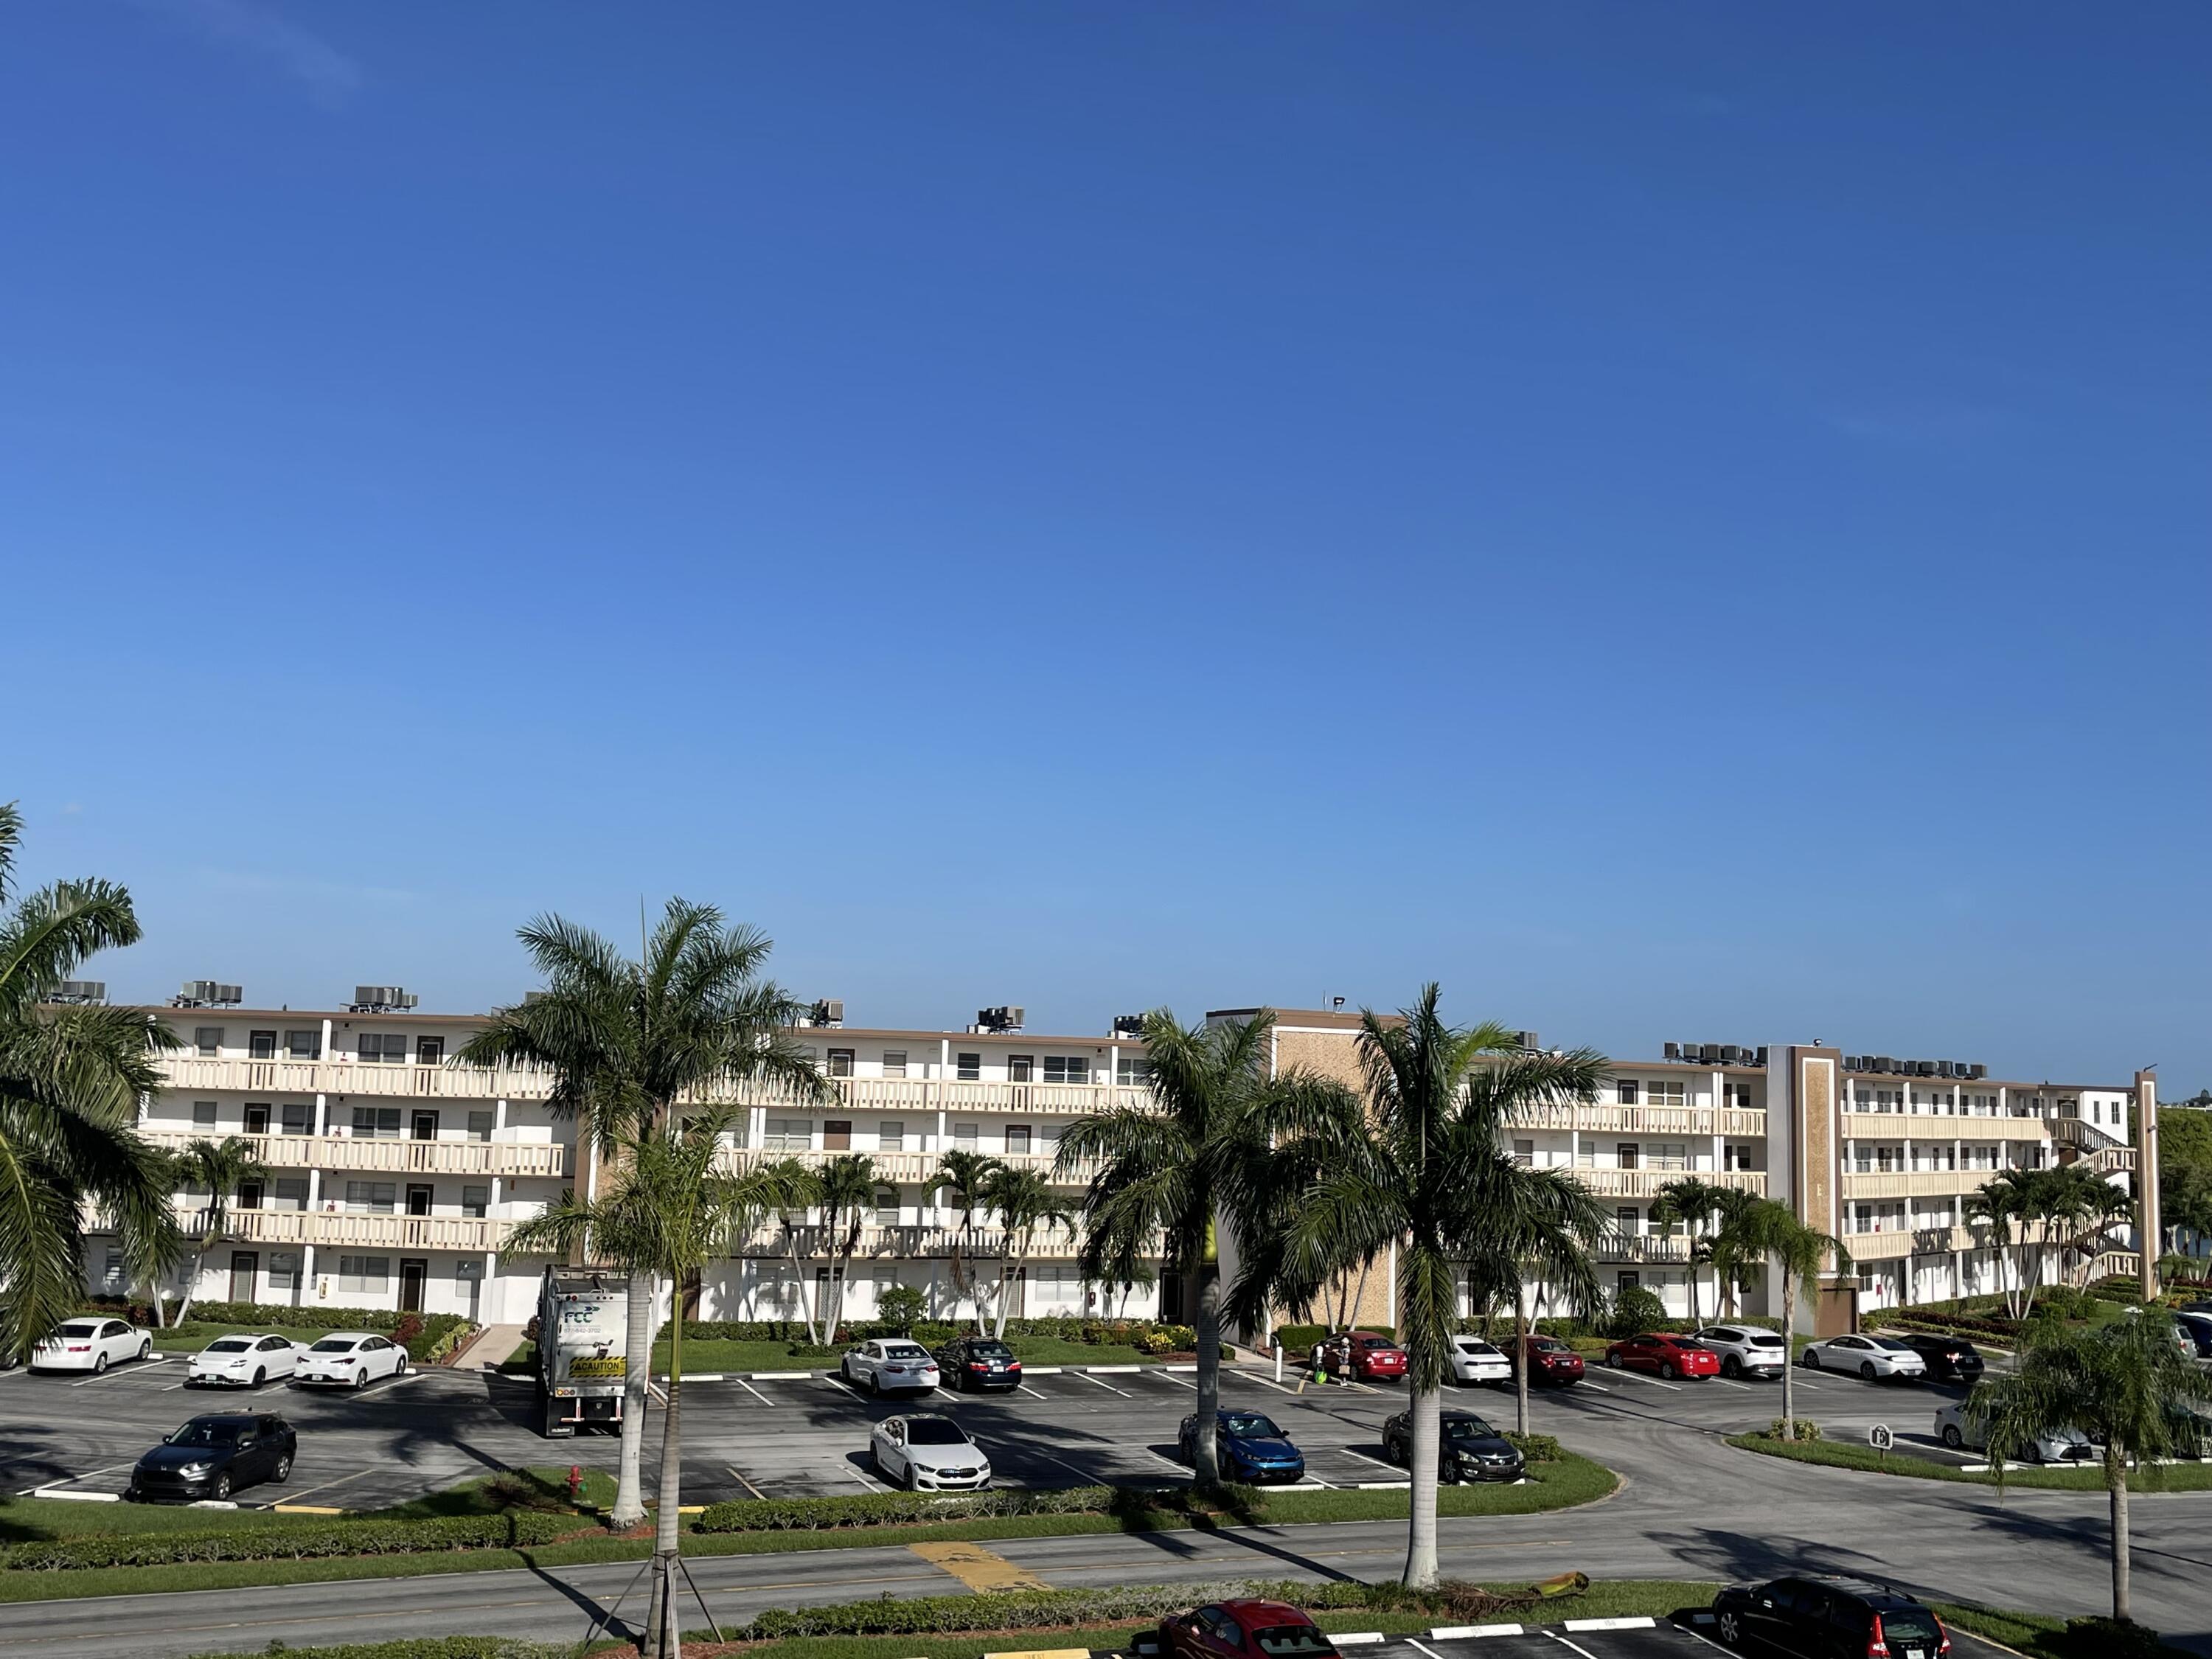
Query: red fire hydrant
[576,1482]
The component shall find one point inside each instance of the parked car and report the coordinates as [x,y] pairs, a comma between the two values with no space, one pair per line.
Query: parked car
[1958,1429]
[355,1359]
[1949,1358]
[243,1360]
[1829,1619]
[1239,1630]
[1551,1361]
[1666,1355]
[924,1452]
[1473,1360]
[1251,1449]
[2197,1328]
[1747,1349]
[1366,1355]
[213,1457]
[1470,1448]
[89,1345]
[1873,1357]
[889,1362]
[980,1362]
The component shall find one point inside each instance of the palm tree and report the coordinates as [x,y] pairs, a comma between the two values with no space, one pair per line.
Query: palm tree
[2184,1204]
[1770,1229]
[847,1192]
[70,1081]
[1025,1202]
[2084,1207]
[1423,1165]
[962,1176]
[1694,1202]
[2127,1385]
[1722,1245]
[666,1210]
[626,1041]
[219,1168]
[1164,1171]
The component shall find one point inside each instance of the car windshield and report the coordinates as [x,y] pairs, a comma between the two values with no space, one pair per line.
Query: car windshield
[205,1433]
[1469,1345]
[1763,1339]
[1909,1627]
[904,1350]
[934,1432]
[77,1329]
[335,1344]
[1250,1426]
[1468,1428]
[228,1344]
[1547,1345]
[1292,1642]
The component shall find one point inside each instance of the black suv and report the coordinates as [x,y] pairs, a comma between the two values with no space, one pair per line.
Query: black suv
[978,1362]
[1829,1619]
[1470,1448]
[1950,1358]
[213,1457]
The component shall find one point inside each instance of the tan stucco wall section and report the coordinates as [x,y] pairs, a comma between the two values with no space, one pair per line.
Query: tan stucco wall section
[1336,1054]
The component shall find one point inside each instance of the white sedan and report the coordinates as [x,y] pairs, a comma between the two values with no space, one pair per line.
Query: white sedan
[1959,1428]
[244,1360]
[89,1345]
[1473,1360]
[889,1362]
[924,1452]
[1871,1356]
[357,1358]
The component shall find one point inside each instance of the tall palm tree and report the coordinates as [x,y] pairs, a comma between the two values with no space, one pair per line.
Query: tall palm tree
[70,1080]
[1025,1204]
[2018,1205]
[625,1041]
[219,1168]
[1164,1170]
[2084,1208]
[2127,1386]
[1695,1203]
[1423,1165]
[1721,1246]
[1770,1229]
[666,1210]
[961,1177]
[847,1192]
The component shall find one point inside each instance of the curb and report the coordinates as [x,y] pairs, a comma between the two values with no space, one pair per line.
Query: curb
[1459,1632]
[1642,1621]
[81,1497]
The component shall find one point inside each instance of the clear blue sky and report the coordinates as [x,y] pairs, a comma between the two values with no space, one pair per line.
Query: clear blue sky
[1676,521]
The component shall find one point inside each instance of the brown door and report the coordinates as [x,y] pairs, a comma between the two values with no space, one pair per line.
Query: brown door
[413,1274]
[425,1126]
[429,1051]
[257,1120]
[418,1199]
[244,1269]
[837,1135]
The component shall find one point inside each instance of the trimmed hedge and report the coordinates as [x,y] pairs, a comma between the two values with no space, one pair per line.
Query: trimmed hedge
[893,1509]
[293,1541]
[428,1647]
[1298,1339]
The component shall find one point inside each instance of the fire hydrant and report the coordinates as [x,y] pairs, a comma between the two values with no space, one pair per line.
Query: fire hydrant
[576,1482]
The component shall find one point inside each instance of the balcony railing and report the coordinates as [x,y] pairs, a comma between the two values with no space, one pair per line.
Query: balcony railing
[816,1243]
[1646,1183]
[1646,1248]
[338,1227]
[1891,1243]
[1923,1126]
[1604,1118]
[1915,1183]
[390,1155]
[295,1078]
[907,1169]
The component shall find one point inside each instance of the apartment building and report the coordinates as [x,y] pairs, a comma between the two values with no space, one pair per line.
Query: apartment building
[398,1176]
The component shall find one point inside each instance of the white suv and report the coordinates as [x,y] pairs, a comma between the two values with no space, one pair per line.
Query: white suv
[1746,1349]
[1473,1360]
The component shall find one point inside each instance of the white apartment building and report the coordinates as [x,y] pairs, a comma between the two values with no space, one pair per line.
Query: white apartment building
[397,1175]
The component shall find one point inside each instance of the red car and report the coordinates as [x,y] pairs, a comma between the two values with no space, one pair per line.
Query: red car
[1664,1355]
[1241,1630]
[1551,1360]
[1364,1354]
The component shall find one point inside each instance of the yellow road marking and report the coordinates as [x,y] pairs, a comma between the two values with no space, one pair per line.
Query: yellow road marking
[978,1568]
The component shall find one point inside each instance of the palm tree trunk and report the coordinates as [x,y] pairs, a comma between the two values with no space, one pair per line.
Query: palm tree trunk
[1359,1296]
[663,1638]
[1020,1263]
[1521,1351]
[1204,1445]
[1421,1528]
[2116,1482]
[637,1372]
[1788,1355]
[1694,1320]
[799,1286]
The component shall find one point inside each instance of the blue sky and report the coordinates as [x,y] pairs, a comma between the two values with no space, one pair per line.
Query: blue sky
[1676,521]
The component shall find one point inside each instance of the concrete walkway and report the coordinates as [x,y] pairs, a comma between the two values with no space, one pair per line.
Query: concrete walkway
[488,1350]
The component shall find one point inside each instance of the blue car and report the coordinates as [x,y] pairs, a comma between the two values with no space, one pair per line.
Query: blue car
[1252,1450]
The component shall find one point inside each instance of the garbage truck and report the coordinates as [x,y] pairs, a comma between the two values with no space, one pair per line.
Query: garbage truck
[582,1319]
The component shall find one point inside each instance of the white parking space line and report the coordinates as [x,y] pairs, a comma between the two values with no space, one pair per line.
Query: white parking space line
[1623,1370]
[1564,1643]
[1109,1387]
[1417,1648]
[1185,1381]
[294,1496]
[1090,1478]
[742,1481]
[1265,1384]
[757,1394]
[872,1484]
[1362,1458]
[1730,1382]
[1026,1389]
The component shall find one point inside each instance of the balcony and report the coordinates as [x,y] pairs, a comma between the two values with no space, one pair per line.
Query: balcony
[1893,1244]
[295,1078]
[1602,1118]
[388,1155]
[1649,1248]
[933,1094]
[1927,1126]
[906,1169]
[910,1244]
[1915,1183]
[334,1227]
[1646,1183]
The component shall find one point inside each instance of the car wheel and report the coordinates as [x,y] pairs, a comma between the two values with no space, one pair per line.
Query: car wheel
[1731,1366]
[876,1384]
[1866,1369]
[146,1349]
[361,1377]
[908,1480]
[1613,1362]
[99,1364]
[283,1472]
[404,1364]
[221,1489]
[1732,1630]
[1667,1369]
[260,1377]
[1811,1361]
[1952,1437]
[875,1458]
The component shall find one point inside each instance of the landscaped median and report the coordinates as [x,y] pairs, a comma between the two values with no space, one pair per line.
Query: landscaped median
[1849,1454]
[306,1549]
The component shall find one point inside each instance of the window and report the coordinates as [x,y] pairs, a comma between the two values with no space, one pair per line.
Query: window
[1630,1156]
[967,1068]
[112,1275]
[371,1197]
[296,1117]
[365,1274]
[480,1126]
[894,1062]
[1664,1094]
[1020,1068]
[430,1051]
[838,1134]
[841,1062]
[1017,1137]
[1734,1156]
[203,1115]
[1739,1096]
[208,1039]
[261,1045]
[1067,1068]
[284,1270]
[1628,1280]
[388,1049]
[291,1192]
[474,1200]
[1668,1155]
[1134,1073]
[1628,1221]
[887,1208]
[303,1045]
[256,1117]
[965,1136]
[789,1135]
[376,1121]
[890,1135]
[1524,1152]
[1627,1087]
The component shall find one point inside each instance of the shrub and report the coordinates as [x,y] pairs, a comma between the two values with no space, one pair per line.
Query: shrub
[1536,1447]
[2111,1638]
[899,1307]
[1803,1428]
[809,1350]
[1297,1338]
[1634,1309]
[428,1647]
[291,1542]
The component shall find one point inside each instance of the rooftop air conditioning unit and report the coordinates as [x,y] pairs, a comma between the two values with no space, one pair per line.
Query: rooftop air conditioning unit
[1977,1070]
[529,997]
[1131,1026]
[1002,1018]
[1759,1055]
[1881,1063]
[1671,1050]
[1924,1067]
[1530,1042]
[82,990]
[827,1011]
[1709,1053]
[381,999]
[210,994]
[1731,1054]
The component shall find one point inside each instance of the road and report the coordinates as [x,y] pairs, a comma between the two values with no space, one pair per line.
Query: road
[1693,1507]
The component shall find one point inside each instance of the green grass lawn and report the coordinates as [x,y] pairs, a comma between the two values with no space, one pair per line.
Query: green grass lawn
[1845,1455]
[720,1355]
[192,1336]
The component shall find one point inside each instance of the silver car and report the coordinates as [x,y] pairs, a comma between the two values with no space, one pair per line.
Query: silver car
[924,1452]
[1873,1357]
[889,1362]
[1957,1428]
